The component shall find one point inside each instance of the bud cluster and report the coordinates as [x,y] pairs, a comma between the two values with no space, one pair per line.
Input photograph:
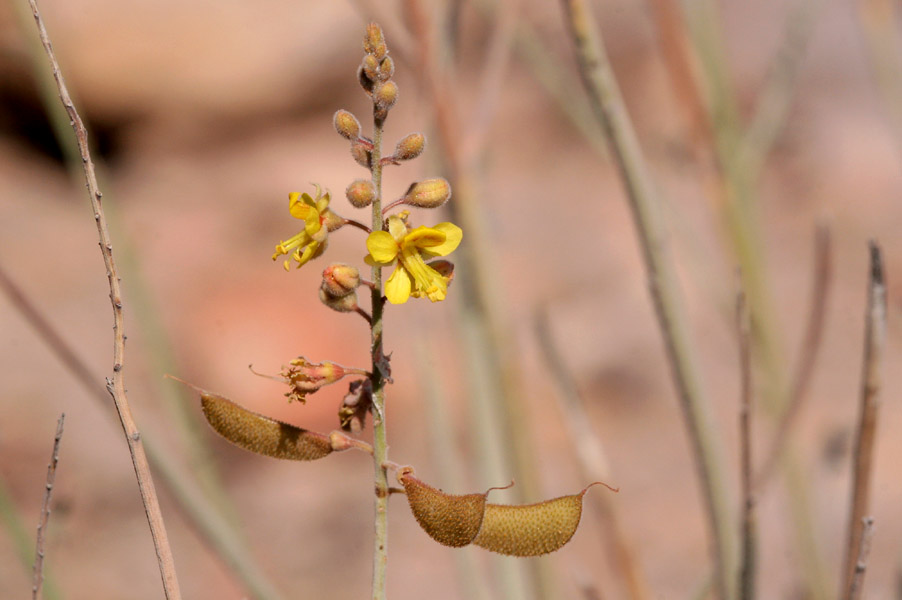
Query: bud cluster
[339,288]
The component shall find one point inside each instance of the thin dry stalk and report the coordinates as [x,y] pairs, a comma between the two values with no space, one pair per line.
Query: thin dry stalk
[748,543]
[874,337]
[611,112]
[864,549]
[116,385]
[593,462]
[811,345]
[38,571]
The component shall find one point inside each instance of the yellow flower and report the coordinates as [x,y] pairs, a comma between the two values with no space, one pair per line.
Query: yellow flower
[311,241]
[410,248]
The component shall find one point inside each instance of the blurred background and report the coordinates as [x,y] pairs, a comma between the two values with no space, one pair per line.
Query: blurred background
[204,115]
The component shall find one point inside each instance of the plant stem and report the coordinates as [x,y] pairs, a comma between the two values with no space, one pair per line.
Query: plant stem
[380,447]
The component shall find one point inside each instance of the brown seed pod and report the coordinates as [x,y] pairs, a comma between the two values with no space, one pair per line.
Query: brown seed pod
[530,529]
[260,434]
[449,520]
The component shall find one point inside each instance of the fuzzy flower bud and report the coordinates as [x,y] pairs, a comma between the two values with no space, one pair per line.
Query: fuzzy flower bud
[361,193]
[429,193]
[410,147]
[386,69]
[373,40]
[385,95]
[346,303]
[361,154]
[340,279]
[371,67]
[346,125]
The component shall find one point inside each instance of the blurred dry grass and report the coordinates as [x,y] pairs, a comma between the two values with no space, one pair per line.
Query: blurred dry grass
[209,114]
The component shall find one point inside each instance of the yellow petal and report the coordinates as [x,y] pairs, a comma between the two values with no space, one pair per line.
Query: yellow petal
[424,237]
[397,228]
[453,235]
[382,246]
[397,288]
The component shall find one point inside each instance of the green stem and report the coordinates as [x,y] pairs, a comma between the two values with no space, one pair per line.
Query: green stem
[380,446]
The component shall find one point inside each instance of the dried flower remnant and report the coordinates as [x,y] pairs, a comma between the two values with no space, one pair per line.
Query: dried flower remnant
[304,377]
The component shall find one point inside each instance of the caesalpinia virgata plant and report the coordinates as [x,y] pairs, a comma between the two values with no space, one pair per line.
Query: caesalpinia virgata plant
[412,252]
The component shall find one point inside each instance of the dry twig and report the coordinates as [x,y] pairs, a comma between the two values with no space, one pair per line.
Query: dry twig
[875,334]
[864,549]
[38,575]
[116,385]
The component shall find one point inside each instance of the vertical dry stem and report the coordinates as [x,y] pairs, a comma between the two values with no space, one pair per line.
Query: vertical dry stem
[611,112]
[38,574]
[861,562]
[116,385]
[875,334]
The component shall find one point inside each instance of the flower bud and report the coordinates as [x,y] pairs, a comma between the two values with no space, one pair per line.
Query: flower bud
[340,279]
[346,303]
[346,125]
[410,147]
[385,95]
[445,268]
[362,155]
[373,38]
[429,193]
[361,193]
[371,67]
[386,69]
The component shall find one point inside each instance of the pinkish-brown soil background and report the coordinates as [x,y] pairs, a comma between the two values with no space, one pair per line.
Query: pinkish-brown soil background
[212,112]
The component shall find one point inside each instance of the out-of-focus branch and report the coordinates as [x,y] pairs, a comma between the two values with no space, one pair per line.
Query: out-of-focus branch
[874,337]
[38,571]
[116,385]
[604,95]
[748,544]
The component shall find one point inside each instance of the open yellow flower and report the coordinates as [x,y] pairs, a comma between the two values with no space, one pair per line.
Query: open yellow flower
[311,241]
[410,248]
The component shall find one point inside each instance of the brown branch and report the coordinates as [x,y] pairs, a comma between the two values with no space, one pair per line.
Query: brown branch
[748,543]
[864,549]
[116,385]
[875,334]
[811,344]
[38,575]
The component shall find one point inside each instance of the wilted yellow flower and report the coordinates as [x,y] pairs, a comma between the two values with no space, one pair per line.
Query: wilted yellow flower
[311,241]
[410,248]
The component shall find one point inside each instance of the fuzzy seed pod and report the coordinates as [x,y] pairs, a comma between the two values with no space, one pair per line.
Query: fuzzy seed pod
[361,193]
[386,69]
[370,67]
[530,529]
[410,147]
[260,434]
[346,125]
[429,193]
[362,155]
[340,279]
[449,520]
[385,95]
[346,303]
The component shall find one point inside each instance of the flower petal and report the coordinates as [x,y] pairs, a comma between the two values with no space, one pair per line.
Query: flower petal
[397,288]
[453,236]
[382,246]
[424,237]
